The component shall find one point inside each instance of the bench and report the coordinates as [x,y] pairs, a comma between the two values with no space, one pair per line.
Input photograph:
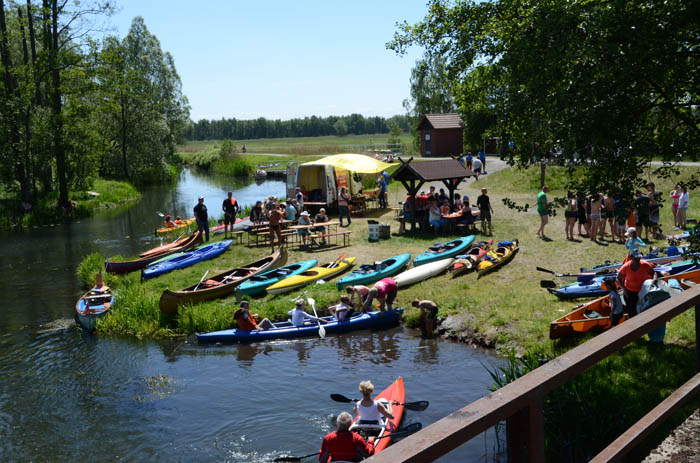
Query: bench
[469,229]
[345,234]
[261,237]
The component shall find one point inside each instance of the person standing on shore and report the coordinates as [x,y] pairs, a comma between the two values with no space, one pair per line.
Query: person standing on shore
[485,211]
[344,206]
[482,158]
[683,203]
[675,196]
[202,217]
[542,210]
[630,278]
[231,209]
[275,219]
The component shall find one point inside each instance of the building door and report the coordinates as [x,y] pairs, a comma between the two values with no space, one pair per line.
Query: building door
[427,144]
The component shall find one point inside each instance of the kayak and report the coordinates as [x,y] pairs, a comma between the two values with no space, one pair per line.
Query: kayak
[285,330]
[467,262]
[370,273]
[444,250]
[187,259]
[416,274]
[133,265]
[498,257]
[93,305]
[166,230]
[258,283]
[395,394]
[221,285]
[306,277]
[594,286]
[613,267]
[165,247]
[596,313]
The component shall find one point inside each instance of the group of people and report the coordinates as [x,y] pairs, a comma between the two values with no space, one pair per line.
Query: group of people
[602,215]
[435,207]
[476,164]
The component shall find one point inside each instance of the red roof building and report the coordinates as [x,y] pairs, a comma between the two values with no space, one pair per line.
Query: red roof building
[441,135]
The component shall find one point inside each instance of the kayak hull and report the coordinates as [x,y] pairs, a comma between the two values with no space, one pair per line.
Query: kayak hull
[418,274]
[93,305]
[285,330]
[259,283]
[497,258]
[187,259]
[363,276]
[447,250]
[307,277]
[120,267]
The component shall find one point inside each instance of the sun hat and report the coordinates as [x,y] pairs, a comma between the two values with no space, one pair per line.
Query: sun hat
[630,230]
[304,213]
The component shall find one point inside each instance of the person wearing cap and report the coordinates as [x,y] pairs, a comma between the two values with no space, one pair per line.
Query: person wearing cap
[631,276]
[304,219]
[299,316]
[343,444]
[246,320]
[202,216]
[231,209]
[385,290]
[169,222]
[633,242]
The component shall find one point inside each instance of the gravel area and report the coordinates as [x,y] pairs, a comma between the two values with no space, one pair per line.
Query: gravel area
[682,446]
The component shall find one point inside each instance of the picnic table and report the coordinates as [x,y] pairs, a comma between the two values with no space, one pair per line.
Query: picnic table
[330,232]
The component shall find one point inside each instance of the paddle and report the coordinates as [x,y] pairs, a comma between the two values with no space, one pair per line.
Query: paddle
[547,284]
[200,281]
[335,262]
[160,213]
[415,406]
[410,429]
[321,329]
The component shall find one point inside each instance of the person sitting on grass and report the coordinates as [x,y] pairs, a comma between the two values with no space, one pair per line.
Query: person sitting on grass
[299,315]
[246,320]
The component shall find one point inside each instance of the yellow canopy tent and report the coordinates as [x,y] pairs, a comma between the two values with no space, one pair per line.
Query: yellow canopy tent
[351,162]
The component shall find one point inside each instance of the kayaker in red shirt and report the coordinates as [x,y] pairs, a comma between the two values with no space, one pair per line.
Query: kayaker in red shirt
[343,444]
[246,320]
[631,276]
[385,290]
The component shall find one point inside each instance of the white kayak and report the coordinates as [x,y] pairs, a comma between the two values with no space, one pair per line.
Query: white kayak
[422,272]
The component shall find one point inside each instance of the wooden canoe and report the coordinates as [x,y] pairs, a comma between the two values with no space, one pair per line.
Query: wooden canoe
[596,313]
[133,265]
[221,285]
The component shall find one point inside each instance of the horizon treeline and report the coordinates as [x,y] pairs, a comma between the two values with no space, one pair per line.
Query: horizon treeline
[314,126]
[77,103]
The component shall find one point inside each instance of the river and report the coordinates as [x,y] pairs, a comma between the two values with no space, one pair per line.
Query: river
[67,395]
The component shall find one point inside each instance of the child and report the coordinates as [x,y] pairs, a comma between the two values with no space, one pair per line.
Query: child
[633,241]
[341,311]
[616,306]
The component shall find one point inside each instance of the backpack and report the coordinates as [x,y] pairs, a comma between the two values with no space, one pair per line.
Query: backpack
[652,293]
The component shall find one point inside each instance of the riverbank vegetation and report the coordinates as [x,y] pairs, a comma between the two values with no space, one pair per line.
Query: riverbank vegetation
[77,108]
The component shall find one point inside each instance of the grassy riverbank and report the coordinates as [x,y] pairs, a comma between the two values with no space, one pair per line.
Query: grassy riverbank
[104,194]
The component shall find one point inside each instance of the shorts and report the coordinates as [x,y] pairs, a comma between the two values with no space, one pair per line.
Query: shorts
[274,228]
[229,219]
[571,214]
[432,315]
[542,213]
[485,216]
[595,216]
[582,216]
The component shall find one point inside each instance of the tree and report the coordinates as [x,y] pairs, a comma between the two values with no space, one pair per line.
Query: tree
[340,128]
[394,134]
[607,85]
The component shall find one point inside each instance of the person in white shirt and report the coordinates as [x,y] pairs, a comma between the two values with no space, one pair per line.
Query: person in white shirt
[299,316]
[371,411]
[341,310]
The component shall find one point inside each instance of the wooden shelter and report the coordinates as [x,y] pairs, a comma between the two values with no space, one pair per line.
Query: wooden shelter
[441,135]
[413,174]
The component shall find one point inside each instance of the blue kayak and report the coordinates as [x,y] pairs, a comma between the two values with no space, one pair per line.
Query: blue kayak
[594,287]
[285,330]
[444,250]
[258,283]
[187,259]
[370,273]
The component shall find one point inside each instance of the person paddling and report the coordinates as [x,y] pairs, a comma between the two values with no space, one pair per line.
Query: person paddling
[299,316]
[370,410]
[343,444]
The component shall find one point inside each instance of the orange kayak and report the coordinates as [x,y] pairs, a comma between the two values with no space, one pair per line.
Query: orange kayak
[394,393]
[183,226]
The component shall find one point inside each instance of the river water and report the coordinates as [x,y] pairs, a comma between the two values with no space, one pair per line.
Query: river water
[67,395]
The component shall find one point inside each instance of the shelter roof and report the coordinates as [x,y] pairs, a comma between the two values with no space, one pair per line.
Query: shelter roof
[352,162]
[442,121]
[437,169]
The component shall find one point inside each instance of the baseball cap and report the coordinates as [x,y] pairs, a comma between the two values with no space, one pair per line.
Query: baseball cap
[630,230]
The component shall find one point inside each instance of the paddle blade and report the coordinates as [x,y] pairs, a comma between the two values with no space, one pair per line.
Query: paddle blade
[341,398]
[417,406]
[547,284]
[321,331]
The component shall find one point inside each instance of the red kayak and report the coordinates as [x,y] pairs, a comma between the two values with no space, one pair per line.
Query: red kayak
[394,393]
[120,267]
[473,256]
[165,247]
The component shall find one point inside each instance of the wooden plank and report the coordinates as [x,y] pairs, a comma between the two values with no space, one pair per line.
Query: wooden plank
[452,431]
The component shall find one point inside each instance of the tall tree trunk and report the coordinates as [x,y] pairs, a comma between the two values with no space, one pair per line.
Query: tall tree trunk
[27,114]
[12,107]
[123,130]
[56,108]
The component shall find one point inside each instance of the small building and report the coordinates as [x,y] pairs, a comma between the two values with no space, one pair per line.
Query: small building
[441,135]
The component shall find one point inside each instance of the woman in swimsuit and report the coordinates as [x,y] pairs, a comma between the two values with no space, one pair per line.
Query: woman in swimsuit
[571,214]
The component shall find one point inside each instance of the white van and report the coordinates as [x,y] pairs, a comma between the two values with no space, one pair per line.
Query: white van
[322,182]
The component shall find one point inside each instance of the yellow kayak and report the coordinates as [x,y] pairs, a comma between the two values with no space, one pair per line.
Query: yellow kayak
[302,279]
[498,257]
[165,230]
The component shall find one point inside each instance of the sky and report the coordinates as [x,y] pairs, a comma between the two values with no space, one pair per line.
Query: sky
[282,59]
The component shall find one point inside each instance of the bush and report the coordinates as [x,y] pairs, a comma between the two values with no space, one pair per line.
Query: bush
[89,267]
[235,167]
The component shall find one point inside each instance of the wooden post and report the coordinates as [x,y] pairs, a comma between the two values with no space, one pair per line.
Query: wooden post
[525,434]
[697,335]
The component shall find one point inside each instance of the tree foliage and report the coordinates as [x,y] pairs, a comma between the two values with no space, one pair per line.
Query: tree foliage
[604,85]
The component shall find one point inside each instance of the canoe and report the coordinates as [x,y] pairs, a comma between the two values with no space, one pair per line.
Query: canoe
[187,259]
[395,393]
[285,330]
[467,262]
[239,224]
[133,265]
[221,285]
[594,286]
[497,258]
[370,273]
[417,274]
[302,279]
[444,250]
[596,313]
[93,305]
[259,283]
[183,226]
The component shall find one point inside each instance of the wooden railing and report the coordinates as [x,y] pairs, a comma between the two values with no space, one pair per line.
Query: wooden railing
[520,402]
